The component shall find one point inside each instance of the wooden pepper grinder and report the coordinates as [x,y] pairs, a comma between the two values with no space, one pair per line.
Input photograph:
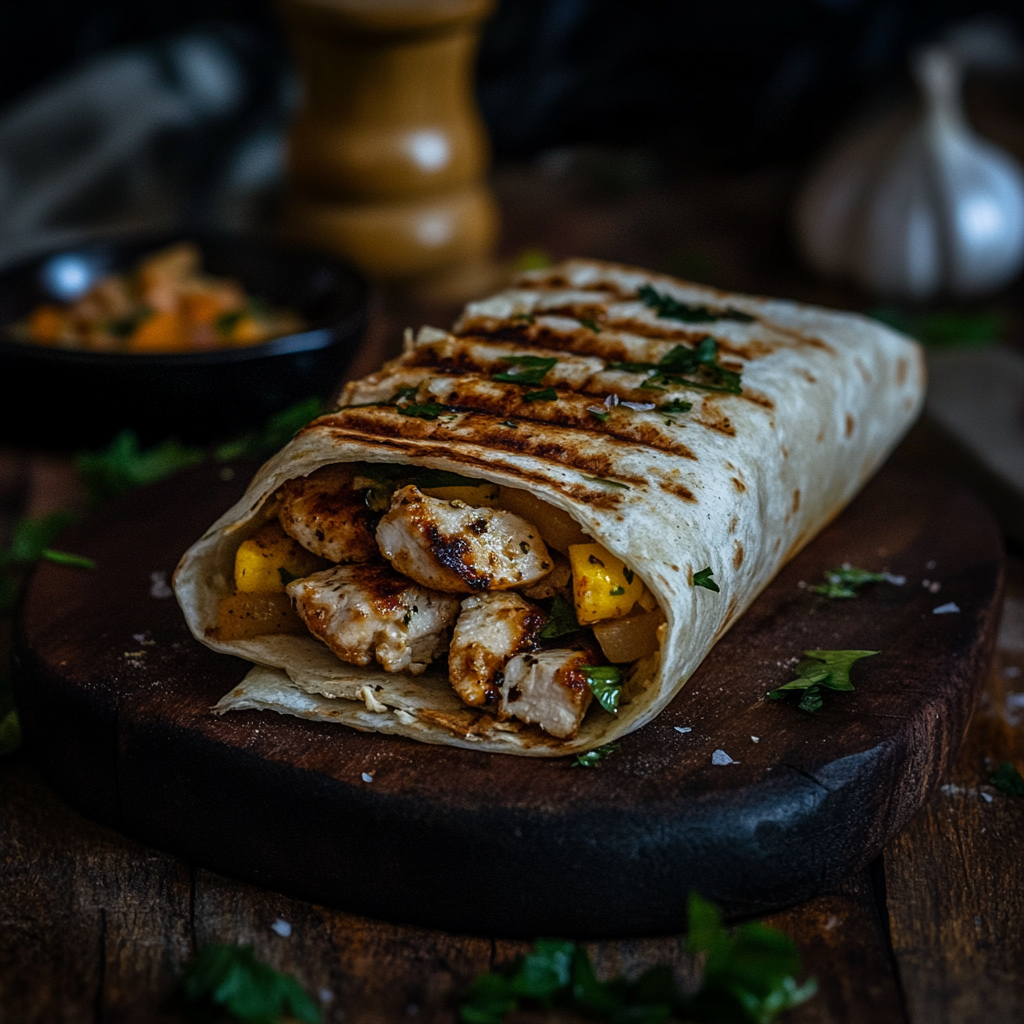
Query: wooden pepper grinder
[388,151]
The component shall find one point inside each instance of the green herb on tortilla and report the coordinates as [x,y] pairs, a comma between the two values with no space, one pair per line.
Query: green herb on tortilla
[617,591]
[1008,780]
[703,579]
[598,414]
[591,325]
[605,684]
[749,975]
[533,369]
[229,979]
[592,758]
[608,483]
[546,395]
[845,581]
[405,395]
[820,669]
[561,619]
[425,410]
[672,309]
[686,367]
[675,405]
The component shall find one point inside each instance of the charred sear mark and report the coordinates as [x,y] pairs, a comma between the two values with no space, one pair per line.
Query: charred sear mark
[713,418]
[850,423]
[737,557]
[451,552]
[738,484]
[796,500]
[901,372]
[864,371]
[679,490]
[807,375]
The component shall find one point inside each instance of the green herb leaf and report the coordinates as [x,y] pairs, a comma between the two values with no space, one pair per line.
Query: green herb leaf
[676,367]
[676,405]
[10,733]
[672,309]
[616,591]
[946,330]
[845,581]
[425,410]
[123,465]
[1008,780]
[561,619]
[286,576]
[66,558]
[591,325]
[829,669]
[749,975]
[547,395]
[532,258]
[598,415]
[534,369]
[605,684]
[592,758]
[31,537]
[226,322]
[278,431]
[231,978]
[404,395]
[703,579]
[608,483]
[628,573]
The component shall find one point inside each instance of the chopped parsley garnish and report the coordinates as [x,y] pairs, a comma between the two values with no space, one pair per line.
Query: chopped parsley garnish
[425,410]
[608,483]
[672,309]
[592,758]
[1008,780]
[230,979]
[703,579]
[675,405]
[605,684]
[561,619]
[828,669]
[591,325]
[676,368]
[533,369]
[547,395]
[599,414]
[617,591]
[846,581]
[286,576]
[628,573]
[404,395]
[523,318]
[749,974]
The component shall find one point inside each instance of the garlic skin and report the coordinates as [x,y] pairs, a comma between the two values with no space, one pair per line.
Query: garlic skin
[914,207]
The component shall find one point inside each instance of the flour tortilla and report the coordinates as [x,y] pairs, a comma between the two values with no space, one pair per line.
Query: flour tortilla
[737,483]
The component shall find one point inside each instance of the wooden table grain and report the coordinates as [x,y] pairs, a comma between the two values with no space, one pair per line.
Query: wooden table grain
[96,928]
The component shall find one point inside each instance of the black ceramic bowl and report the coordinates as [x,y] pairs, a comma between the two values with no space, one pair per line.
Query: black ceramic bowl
[64,399]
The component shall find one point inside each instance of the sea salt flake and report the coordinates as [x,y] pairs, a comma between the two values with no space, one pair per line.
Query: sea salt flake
[282,927]
[682,728]
[950,608]
[367,777]
[896,581]
[639,406]
[755,739]
[611,401]
[325,995]
[721,757]
[987,797]
[935,587]
[158,587]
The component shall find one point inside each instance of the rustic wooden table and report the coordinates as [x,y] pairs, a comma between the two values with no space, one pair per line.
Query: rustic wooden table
[96,927]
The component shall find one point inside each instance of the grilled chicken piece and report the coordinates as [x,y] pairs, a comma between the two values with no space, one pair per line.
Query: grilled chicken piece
[557,583]
[324,514]
[368,611]
[491,628]
[452,546]
[549,689]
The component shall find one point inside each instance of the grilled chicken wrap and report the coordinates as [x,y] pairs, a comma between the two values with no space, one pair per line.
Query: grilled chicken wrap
[525,534]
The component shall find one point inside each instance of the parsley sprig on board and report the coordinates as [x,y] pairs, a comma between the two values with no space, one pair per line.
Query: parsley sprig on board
[230,979]
[592,758]
[845,581]
[686,367]
[672,309]
[750,975]
[1008,780]
[820,669]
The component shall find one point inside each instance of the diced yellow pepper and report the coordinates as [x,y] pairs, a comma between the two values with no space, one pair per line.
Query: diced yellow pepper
[482,495]
[603,586]
[270,559]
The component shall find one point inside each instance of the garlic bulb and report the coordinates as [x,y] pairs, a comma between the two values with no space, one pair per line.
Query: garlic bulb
[910,208]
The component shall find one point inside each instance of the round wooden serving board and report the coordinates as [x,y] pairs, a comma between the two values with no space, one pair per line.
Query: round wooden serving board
[115,697]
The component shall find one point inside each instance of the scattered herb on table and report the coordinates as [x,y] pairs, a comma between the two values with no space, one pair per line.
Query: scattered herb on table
[592,758]
[605,684]
[820,669]
[749,976]
[845,581]
[525,369]
[686,367]
[545,395]
[123,464]
[703,579]
[231,979]
[561,619]
[10,732]
[672,309]
[1008,780]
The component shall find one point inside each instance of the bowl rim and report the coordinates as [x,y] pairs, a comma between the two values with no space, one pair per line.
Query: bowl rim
[309,340]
